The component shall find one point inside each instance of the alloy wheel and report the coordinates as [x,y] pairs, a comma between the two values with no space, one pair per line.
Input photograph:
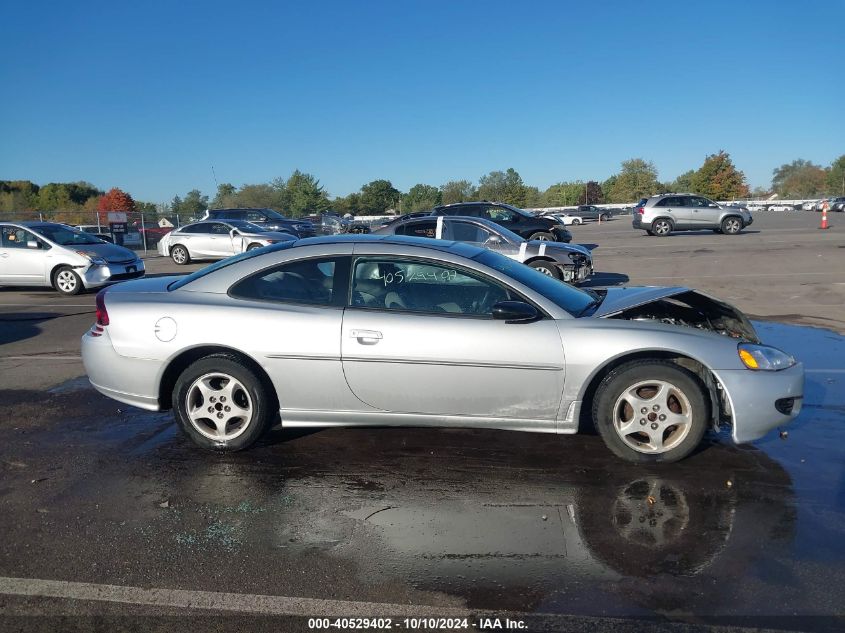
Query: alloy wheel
[219,406]
[652,416]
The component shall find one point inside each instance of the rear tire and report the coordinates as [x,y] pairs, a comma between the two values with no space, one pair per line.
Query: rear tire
[67,282]
[546,267]
[542,236]
[651,411]
[221,404]
[180,255]
[662,227]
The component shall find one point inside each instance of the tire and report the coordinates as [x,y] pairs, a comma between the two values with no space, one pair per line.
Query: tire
[662,227]
[604,217]
[252,247]
[180,255]
[67,282]
[237,401]
[731,225]
[545,267]
[578,221]
[650,437]
[543,236]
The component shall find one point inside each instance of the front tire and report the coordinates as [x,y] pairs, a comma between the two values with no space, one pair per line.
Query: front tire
[252,247]
[662,227]
[651,411]
[221,404]
[542,236]
[67,282]
[731,226]
[545,267]
[180,255]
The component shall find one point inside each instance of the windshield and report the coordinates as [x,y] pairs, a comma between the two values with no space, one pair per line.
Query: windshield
[243,225]
[66,236]
[573,300]
[223,263]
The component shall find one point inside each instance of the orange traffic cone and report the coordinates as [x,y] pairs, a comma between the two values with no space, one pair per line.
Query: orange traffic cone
[824,216]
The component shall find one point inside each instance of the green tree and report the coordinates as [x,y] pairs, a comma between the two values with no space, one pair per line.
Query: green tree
[638,179]
[719,179]
[304,195]
[378,196]
[421,197]
[533,198]
[563,194]
[836,177]
[261,196]
[457,191]
[503,186]
[799,179]
[225,196]
[683,183]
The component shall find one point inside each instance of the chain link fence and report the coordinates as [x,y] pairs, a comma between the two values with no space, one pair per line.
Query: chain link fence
[143,229]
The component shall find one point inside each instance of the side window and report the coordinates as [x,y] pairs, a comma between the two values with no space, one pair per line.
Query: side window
[414,286]
[501,214]
[310,281]
[219,229]
[202,227]
[468,232]
[668,202]
[254,216]
[14,237]
[423,228]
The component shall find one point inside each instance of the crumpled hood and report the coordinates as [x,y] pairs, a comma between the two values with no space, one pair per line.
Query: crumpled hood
[110,252]
[560,247]
[618,299]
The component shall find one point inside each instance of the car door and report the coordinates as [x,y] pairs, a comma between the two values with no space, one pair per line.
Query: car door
[202,242]
[704,213]
[223,244]
[20,264]
[479,235]
[418,338]
[675,208]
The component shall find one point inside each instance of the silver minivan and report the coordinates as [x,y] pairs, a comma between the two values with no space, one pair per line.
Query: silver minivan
[57,255]
[668,212]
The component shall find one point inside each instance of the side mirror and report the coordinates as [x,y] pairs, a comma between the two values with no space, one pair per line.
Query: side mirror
[234,232]
[33,244]
[493,240]
[515,312]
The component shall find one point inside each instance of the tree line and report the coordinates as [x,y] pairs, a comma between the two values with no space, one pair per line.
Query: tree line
[302,194]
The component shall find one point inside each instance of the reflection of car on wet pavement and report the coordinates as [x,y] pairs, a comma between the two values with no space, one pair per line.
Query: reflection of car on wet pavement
[569,262]
[401,331]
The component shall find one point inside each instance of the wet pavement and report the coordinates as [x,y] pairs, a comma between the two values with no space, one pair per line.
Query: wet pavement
[490,521]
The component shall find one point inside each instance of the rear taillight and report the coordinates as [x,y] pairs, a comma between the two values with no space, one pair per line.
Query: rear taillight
[640,210]
[102,313]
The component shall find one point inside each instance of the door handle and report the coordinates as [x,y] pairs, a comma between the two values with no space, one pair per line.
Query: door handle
[366,337]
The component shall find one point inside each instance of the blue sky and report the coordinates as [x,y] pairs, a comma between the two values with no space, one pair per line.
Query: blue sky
[148,96]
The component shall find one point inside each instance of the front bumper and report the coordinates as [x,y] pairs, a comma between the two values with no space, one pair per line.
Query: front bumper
[129,380]
[753,395]
[97,276]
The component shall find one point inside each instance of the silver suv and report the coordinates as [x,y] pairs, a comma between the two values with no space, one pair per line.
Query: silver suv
[667,212]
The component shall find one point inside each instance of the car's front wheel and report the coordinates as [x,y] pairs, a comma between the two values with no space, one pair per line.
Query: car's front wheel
[252,247]
[67,282]
[180,255]
[731,226]
[545,267]
[661,227]
[542,236]
[651,411]
[221,404]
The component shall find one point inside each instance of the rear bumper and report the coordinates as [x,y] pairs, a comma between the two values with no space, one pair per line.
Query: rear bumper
[129,380]
[637,223]
[753,396]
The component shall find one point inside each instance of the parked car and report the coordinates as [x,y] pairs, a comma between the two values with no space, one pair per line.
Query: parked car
[810,205]
[781,207]
[132,238]
[667,212]
[592,212]
[837,204]
[216,240]
[265,218]
[57,255]
[566,219]
[820,204]
[373,330]
[571,263]
[413,214]
[523,223]
[756,207]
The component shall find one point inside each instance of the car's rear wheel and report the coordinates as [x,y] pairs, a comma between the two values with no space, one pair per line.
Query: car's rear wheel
[67,282]
[545,267]
[577,221]
[651,411]
[180,255]
[662,227]
[731,226]
[542,236]
[221,404]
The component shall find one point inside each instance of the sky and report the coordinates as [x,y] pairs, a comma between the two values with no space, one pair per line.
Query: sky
[149,96]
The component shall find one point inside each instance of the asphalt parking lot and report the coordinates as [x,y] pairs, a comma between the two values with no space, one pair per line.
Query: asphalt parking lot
[108,511]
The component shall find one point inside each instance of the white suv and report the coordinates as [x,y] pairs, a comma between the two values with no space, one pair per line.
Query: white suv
[69,260]
[662,214]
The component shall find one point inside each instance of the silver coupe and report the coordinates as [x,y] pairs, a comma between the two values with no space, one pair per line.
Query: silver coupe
[364,330]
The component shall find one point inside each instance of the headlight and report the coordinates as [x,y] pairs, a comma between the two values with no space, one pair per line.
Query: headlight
[92,257]
[763,357]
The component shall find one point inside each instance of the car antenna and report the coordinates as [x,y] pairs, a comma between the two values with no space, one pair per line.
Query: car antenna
[213,175]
